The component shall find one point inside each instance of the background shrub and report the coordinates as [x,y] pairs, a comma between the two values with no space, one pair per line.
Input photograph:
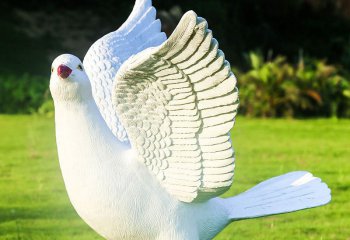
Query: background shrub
[269,88]
[23,94]
[276,88]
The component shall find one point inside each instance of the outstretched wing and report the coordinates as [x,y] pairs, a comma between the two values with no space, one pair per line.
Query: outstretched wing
[106,55]
[178,102]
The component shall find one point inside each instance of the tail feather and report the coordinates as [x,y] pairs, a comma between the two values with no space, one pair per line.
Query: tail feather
[287,193]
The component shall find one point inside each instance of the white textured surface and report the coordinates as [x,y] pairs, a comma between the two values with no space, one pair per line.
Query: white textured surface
[178,102]
[287,193]
[303,180]
[105,56]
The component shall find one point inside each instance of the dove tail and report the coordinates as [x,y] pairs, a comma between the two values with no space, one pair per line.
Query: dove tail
[287,193]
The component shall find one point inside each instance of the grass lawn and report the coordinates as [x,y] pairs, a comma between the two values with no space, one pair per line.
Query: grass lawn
[34,205]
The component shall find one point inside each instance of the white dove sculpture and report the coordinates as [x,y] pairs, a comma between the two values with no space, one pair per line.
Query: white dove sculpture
[142,130]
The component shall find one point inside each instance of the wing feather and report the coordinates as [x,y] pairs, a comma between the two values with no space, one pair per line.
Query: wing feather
[178,102]
[102,61]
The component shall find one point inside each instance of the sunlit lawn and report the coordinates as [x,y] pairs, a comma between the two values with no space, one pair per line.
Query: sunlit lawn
[34,205]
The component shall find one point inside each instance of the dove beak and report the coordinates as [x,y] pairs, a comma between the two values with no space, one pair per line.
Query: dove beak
[63,71]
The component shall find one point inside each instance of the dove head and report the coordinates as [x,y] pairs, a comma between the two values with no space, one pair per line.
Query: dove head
[69,81]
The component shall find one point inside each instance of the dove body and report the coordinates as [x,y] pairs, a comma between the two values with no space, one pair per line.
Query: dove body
[142,130]
[109,188]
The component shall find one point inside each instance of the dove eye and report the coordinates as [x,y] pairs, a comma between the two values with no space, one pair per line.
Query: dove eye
[52,69]
[80,67]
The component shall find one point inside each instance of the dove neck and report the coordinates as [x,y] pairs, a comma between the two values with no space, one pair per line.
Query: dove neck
[82,134]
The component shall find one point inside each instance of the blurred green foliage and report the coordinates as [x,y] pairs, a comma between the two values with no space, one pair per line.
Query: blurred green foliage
[269,88]
[34,32]
[22,94]
[277,88]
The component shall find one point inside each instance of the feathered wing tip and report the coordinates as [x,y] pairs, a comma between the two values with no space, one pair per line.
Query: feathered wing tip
[286,193]
[139,9]
[140,31]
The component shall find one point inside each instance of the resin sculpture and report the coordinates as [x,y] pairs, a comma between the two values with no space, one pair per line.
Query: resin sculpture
[142,130]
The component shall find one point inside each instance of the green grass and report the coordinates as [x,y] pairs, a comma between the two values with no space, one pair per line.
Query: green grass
[34,204]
